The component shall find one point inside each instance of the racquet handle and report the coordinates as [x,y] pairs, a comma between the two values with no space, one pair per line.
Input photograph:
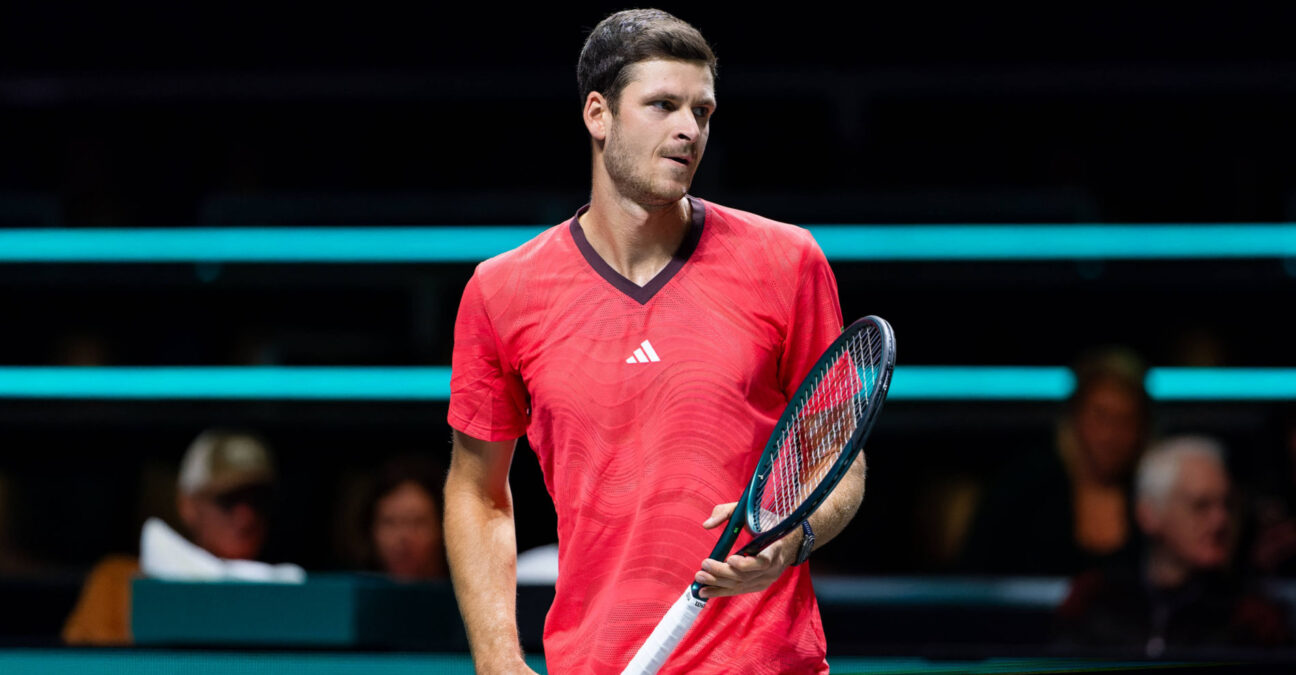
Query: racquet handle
[668,633]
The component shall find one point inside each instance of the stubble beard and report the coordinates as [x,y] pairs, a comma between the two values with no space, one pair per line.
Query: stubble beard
[633,180]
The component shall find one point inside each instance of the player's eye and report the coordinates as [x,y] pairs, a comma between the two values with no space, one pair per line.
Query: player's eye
[663,105]
[701,112]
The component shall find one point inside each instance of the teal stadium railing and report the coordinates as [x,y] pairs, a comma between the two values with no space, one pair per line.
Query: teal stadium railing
[845,243]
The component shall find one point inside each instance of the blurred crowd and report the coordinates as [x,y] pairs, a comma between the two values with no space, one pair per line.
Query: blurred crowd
[1167,544]
[1165,548]
[224,494]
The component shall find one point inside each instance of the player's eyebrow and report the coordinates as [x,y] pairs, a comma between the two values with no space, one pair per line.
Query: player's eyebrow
[667,95]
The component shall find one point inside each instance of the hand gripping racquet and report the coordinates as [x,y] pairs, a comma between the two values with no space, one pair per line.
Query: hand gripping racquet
[816,440]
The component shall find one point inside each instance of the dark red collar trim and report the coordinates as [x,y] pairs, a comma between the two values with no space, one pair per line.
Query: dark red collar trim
[642,294]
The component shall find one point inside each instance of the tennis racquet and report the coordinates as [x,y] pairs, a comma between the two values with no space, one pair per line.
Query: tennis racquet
[816,440]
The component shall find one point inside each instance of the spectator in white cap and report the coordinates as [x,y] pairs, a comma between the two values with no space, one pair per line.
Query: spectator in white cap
[225,484]
[223,494]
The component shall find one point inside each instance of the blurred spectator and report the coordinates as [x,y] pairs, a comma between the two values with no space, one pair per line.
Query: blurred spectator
[1177,594]
[1273,551]
[1058,512]
[223,496]
[401,521]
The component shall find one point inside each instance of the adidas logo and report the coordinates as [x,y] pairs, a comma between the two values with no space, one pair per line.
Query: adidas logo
[644,354]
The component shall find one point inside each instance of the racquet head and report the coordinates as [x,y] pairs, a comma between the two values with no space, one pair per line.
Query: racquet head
[821,431]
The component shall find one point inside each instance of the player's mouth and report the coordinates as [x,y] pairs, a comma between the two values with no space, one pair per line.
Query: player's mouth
[682,155]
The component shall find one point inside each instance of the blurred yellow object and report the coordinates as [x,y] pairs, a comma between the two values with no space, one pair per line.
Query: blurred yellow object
[102,613]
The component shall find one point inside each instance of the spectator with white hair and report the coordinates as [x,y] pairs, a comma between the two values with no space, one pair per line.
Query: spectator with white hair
[1179,593]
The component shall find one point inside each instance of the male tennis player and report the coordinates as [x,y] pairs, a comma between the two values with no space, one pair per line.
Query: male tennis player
[646,347]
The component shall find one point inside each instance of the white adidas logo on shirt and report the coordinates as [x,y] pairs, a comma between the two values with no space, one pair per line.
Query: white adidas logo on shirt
[644,354]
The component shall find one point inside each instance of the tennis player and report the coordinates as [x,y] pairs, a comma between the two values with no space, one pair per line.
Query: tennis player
[646,348]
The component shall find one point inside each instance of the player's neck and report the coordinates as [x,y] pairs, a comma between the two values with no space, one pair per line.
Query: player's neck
[636,241]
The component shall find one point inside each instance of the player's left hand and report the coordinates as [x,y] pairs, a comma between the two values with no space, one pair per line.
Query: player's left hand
[740,574]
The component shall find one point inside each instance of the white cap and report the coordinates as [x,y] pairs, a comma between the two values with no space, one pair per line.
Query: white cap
[219,461]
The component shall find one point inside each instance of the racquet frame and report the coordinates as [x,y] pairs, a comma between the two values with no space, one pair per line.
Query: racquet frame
[681,615]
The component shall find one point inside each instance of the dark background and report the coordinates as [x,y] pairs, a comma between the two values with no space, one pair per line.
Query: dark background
[216,114]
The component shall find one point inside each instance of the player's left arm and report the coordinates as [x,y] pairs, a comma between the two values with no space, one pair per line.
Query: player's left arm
[749,574]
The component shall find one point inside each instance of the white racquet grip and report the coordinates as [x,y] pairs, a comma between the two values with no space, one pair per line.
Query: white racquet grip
[668,633]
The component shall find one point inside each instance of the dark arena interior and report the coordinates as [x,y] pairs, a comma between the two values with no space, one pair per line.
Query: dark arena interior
[262,218]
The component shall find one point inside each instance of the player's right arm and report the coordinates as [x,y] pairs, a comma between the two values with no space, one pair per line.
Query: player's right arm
[482,547]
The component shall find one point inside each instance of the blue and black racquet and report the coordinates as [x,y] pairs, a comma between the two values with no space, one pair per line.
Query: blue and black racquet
[816,440]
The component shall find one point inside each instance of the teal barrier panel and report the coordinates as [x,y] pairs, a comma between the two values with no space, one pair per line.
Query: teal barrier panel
[327,611]
[160,662]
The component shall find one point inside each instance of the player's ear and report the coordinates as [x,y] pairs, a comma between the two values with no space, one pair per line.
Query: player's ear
[597,115]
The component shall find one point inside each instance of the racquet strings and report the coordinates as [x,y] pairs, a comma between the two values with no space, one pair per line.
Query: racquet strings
[810,445]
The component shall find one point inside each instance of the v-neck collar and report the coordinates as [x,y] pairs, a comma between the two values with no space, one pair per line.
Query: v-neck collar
[642,294]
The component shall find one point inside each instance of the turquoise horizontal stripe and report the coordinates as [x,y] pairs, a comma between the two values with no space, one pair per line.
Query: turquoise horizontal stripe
[264,244]
[1186,384]
[301,383]
[473,244]
[981,382]
[992,666]
[910,383]
[1056,242]
[229,662]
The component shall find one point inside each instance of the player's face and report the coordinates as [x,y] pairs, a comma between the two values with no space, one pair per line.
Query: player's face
[1195,523]
[660,130]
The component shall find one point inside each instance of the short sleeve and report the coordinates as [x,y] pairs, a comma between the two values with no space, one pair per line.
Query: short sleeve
[816,318]
[488,399]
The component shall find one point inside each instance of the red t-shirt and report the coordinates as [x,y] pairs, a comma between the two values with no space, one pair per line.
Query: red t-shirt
[647,406]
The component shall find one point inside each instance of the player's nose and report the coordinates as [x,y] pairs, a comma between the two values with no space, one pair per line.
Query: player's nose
[688,128]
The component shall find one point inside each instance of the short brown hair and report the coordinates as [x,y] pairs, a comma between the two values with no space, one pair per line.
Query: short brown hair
[631,36]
